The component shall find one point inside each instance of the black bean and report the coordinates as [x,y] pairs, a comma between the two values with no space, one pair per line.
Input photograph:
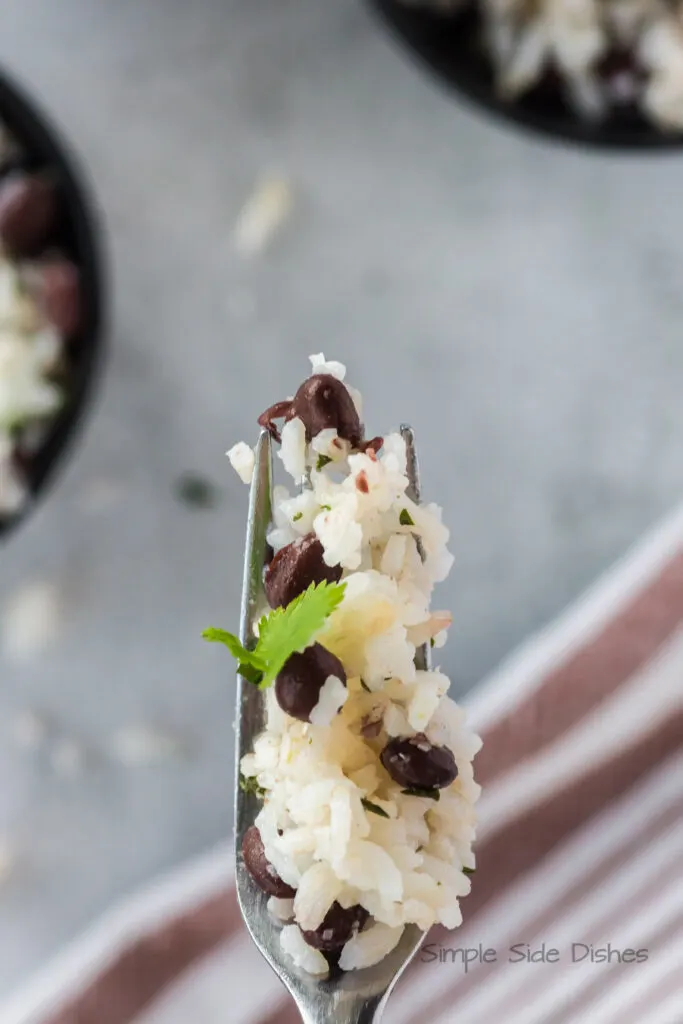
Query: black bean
[260,869]
[322,402]
[28,213]
[298,686]
[294,568]
[339,925]
[60,295]
[416,763]
[623,76]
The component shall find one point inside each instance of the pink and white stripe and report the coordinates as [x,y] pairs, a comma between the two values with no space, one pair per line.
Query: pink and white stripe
[581,840]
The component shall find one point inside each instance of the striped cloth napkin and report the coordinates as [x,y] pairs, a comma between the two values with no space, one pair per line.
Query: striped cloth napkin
[576,913]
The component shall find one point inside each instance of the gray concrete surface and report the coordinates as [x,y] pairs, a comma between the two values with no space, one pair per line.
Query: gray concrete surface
[520,303]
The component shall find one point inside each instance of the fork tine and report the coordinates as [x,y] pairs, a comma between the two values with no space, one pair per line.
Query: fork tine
[257,526]
[249,707]
[412,465]
[423,654]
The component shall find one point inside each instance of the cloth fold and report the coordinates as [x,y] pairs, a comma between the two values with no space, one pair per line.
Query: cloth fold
[578,895]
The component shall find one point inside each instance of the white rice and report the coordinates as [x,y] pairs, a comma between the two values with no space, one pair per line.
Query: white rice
[31,620]
[324,781]
[293,448]
[303,955]
[369,947]
[318,888]
[575,36]
[242,460]
[29,350]
[333,696]
[263,215]
[282,910]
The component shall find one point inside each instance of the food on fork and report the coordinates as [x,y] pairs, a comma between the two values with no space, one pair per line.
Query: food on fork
[365,764]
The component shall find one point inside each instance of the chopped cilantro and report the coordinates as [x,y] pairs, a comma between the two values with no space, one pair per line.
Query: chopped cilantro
[468,871]
[250,785]
[323,460]
[297,517]
[430,794]
[326,508]
[405,518]
[432,642]
[374,809]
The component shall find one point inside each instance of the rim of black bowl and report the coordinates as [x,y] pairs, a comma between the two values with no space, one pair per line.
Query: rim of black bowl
[449,45]
[43,146]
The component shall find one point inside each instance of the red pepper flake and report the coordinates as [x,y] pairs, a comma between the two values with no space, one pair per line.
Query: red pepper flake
[336,443]
[362,482]
[376,443]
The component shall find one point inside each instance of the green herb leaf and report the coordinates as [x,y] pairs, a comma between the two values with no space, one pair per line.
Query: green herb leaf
[468,871]
[326,508]
[405,518]
[432,642]
[285,631]
[250,673]
[374,809]
[250,785]
[238,651]
[297,517]
[323,460]
[430,794]
[289,630]
[249,665]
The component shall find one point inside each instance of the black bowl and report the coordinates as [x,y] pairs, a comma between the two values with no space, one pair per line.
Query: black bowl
[77,236]
[450,46]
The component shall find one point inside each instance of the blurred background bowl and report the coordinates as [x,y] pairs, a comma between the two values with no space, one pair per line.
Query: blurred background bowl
[450,45]
[42,147]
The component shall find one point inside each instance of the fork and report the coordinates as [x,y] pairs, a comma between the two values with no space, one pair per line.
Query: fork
[355,997]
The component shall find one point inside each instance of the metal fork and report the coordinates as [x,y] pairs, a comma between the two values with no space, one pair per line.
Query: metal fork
[356,997]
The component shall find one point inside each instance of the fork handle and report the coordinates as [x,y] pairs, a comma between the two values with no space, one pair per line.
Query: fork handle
[359,1012]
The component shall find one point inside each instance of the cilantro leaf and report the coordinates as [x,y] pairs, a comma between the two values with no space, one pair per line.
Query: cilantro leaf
[289,630]
[468,871]
[238,651]
[369,806]
[283,632]
[405,518]
[249,665]
[250,673]
[297,516]
[249,784]
[430,794]
[323,460]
